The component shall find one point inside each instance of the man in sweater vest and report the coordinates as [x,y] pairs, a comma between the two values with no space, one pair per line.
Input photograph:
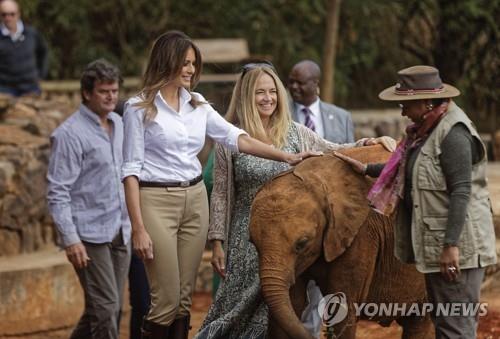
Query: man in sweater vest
[23,53]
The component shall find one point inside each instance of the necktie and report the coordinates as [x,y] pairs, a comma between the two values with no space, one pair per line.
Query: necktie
[308,122]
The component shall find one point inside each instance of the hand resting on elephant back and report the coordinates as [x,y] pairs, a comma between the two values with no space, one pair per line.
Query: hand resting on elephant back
[371,169]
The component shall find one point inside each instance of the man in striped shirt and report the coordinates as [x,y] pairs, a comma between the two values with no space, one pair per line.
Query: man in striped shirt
[87,202]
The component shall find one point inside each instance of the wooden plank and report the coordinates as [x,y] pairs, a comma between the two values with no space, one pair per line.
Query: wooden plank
[223,50]
[218,78]
[128,82]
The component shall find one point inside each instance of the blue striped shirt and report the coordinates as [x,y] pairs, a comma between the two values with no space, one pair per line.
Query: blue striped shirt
[85,194]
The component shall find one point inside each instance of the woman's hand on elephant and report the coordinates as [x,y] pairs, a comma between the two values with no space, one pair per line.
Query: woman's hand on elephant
[294,159]
[356,165]
[388,142]
[218,258]
[448,262]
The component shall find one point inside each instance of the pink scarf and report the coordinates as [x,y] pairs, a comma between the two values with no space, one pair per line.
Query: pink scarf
[389,187]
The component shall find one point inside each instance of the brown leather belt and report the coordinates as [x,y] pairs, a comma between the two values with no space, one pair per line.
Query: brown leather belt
[187,183]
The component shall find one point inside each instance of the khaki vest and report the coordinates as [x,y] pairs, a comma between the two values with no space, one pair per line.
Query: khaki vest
[422,242]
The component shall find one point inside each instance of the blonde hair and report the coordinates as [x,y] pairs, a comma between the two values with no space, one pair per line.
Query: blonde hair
[164,65]
[243,111]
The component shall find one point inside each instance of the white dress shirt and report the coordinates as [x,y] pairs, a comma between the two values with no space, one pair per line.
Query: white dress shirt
[315,116]
[165,149]
[18,35]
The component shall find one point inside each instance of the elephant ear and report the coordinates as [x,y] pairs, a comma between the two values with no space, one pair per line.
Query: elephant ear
[344,195]
[347,206]
[347,213]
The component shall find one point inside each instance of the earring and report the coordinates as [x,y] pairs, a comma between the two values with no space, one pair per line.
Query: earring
[430,106]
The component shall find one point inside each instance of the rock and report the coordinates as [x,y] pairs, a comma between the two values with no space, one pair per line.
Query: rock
[7,172]
[25,224]
[10,241]
[39,292]
[6,101]
[20,110]
[13,135]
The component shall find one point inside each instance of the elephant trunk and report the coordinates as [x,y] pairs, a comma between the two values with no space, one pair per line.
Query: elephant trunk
[275,290]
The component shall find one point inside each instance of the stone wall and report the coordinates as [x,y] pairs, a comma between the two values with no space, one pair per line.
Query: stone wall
[374,123]
[25,126]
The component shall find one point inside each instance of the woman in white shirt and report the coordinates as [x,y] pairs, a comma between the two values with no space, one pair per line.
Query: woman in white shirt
[165,128]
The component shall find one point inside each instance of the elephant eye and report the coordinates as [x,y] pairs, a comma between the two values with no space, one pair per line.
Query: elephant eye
[301,243]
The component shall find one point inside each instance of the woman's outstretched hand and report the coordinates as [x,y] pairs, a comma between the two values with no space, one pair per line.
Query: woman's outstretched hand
[356,165]
[388,142]
[294,159]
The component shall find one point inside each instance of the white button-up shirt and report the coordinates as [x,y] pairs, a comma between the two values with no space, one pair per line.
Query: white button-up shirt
[315,116]
[165,149]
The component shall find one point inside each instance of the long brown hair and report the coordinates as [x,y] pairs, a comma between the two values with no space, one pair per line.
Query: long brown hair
[164,65]
[243,111]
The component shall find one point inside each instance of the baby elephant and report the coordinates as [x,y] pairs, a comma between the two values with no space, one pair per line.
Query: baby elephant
[314,222]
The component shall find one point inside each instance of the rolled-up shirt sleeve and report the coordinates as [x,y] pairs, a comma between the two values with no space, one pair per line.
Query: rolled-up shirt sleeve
[222,131]
[133,141]
[64,169]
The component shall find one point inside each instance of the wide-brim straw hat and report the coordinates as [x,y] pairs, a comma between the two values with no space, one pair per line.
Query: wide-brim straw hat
[418,82]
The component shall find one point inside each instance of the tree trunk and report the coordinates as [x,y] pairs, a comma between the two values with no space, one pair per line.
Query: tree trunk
[329,53]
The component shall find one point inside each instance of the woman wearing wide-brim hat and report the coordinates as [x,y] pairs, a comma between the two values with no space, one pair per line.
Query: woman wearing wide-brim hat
[436,183]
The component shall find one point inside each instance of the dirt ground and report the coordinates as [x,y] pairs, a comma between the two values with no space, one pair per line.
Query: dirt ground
[489,326]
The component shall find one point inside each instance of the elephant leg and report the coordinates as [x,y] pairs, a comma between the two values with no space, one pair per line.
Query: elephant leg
[352,274]
[275,331]
[298,299]
[417,327]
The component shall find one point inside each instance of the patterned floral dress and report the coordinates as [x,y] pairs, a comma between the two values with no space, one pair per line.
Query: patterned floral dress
[239,310]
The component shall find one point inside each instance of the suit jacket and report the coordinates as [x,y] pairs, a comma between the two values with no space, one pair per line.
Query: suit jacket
[337,122]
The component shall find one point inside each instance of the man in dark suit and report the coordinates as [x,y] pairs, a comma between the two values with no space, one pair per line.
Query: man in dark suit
[328,121]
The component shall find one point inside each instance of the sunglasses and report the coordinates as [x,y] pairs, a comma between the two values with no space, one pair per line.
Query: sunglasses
[6,14]
[254,65]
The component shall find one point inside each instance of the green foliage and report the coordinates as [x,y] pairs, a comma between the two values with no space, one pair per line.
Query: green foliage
[461,38]
[82,30]
[376,38]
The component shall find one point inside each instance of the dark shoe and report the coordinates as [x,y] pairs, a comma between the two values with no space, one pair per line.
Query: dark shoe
[151,330]
[180,328]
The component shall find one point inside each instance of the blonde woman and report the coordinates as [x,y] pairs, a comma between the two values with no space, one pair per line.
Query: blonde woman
[259,105]
[165,128]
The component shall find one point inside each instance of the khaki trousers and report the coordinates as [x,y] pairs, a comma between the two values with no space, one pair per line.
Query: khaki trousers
[177,221]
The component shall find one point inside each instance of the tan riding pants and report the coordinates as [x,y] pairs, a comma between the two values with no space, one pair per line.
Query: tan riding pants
[177,221]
